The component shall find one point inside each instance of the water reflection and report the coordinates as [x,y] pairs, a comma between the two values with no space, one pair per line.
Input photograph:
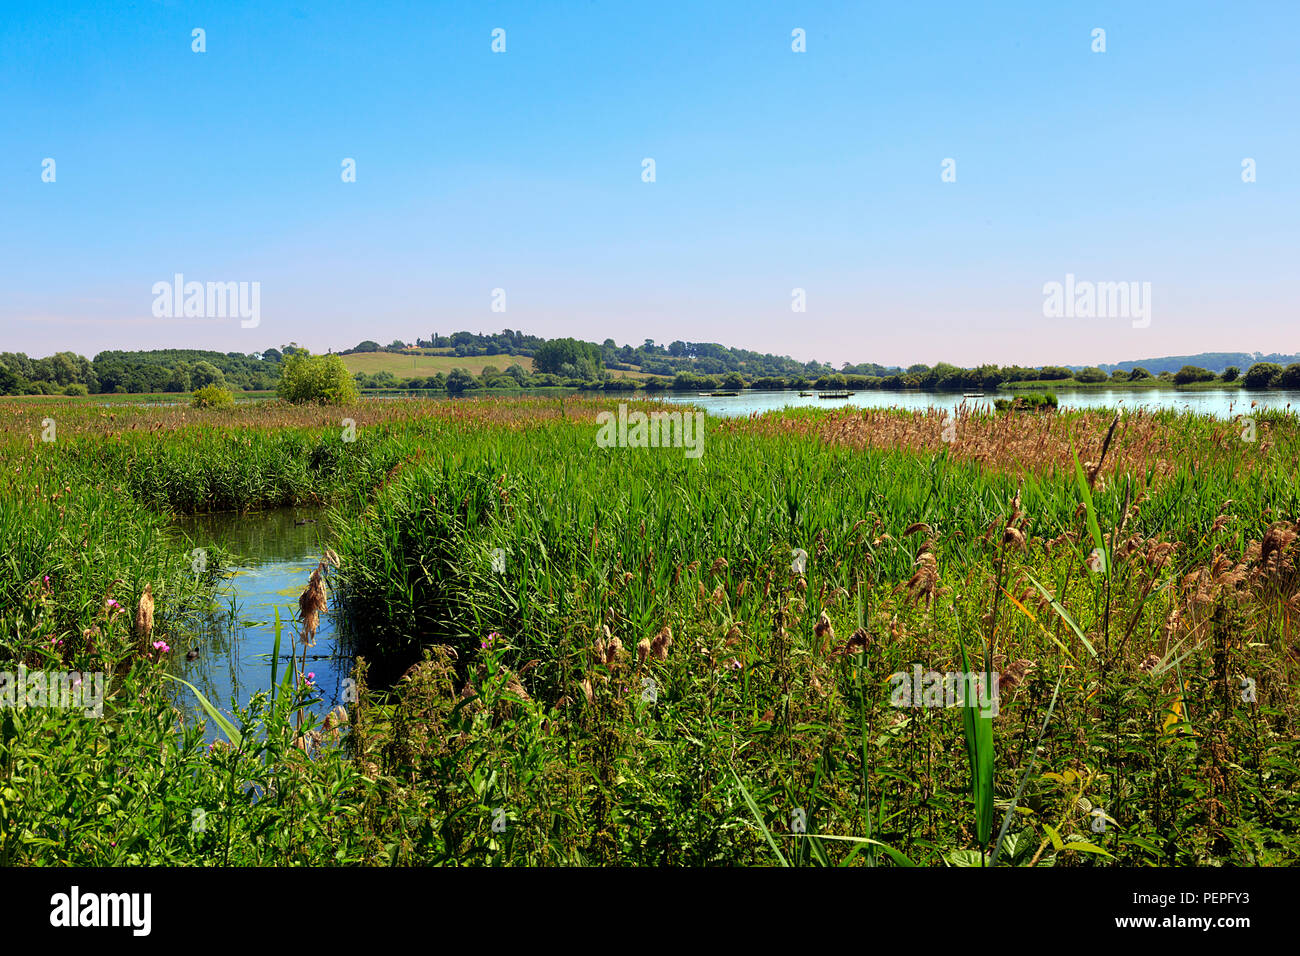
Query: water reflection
[266,559]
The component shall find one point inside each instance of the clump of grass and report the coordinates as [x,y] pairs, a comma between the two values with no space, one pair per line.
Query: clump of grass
[1032,402]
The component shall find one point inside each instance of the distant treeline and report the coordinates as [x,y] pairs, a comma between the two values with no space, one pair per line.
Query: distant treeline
[465,344]
[682,366]
[163,370]
[1213,361]
[919,377]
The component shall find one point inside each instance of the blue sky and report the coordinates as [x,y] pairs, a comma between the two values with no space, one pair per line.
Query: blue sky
[775,170]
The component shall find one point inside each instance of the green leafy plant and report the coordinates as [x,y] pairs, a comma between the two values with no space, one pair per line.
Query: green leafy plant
[212,396]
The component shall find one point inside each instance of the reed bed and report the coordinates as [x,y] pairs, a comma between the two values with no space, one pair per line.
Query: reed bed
[573,654]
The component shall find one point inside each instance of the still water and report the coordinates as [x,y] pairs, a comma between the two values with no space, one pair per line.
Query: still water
[266,559]
[1222,403]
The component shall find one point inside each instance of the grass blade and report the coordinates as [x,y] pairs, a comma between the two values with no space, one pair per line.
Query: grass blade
[1064,615]
[232,734]
[758,818]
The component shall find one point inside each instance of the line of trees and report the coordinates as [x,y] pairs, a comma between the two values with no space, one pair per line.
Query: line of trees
[464,344]
[1272,375]
[570,362]
[159,370]
[53,375]
[944,377]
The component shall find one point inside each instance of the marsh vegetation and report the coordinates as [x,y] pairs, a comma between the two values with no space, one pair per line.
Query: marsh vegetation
[572,654]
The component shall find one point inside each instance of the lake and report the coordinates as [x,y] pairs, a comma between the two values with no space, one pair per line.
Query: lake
[1221,403]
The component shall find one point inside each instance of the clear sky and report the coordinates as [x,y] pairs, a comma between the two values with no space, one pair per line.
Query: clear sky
[774,170]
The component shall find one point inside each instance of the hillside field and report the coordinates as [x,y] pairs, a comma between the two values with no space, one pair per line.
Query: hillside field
[422,365]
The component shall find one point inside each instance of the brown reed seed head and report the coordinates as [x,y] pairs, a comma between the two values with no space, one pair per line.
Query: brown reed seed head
[144,614]
[1275,542]
[924,582]
[311,604]
[336,718]
[1015,674]
[661,643]
[858,641]
[514,687]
